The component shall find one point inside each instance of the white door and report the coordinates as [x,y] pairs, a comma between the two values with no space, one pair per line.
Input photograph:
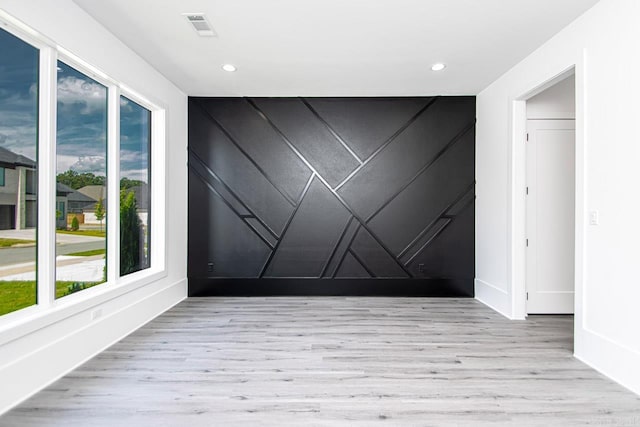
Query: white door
[550,216]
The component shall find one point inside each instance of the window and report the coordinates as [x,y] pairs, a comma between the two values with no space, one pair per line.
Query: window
[80,161]
[135,186]
[81,181]
[18,156]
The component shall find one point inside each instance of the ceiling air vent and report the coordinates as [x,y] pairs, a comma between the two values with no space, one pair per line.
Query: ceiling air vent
[199,23]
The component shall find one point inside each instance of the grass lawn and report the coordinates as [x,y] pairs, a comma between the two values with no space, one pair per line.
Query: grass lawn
[92,233]
[89,253]
[7,243]
[20,294]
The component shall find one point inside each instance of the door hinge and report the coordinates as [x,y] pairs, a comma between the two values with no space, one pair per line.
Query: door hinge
[527,136]
[527,242]
[527,296]
[527,191]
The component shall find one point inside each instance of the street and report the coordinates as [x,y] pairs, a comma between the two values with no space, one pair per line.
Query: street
[10,256]
[65,244]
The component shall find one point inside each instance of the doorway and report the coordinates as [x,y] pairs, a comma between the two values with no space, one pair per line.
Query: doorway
[550,200]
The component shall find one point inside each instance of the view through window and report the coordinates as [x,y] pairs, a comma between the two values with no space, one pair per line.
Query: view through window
[135,189]
[81,182]
[18,167]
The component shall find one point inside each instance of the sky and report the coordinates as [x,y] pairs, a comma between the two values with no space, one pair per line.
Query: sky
[81,117]
[18,95]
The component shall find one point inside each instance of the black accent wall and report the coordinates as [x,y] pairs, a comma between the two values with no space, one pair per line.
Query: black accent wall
[331,196]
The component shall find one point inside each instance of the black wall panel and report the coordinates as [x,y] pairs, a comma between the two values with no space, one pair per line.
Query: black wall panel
[331,196]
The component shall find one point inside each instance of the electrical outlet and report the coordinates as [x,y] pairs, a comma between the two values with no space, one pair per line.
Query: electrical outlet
[421,268]
[210,267]
[594,218]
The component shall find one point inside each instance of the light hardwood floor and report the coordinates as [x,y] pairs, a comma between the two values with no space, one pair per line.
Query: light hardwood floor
[335,361]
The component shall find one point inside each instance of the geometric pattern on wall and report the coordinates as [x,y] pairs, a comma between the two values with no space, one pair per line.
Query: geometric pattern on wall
[331,187]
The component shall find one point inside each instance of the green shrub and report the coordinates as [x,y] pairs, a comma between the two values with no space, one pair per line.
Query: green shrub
[130,225]
[75,224]
[75,287]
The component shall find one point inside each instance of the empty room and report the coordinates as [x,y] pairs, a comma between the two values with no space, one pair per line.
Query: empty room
[345,213]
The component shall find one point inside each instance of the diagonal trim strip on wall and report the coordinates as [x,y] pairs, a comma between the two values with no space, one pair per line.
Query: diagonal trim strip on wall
[238,214]
[286,226]
[226,187]
[242,150]
[387,142]
[334,192]
[348,247]
[449,220]
[361,262]
[435,158]
[442,214]
[331,130]
[335,248]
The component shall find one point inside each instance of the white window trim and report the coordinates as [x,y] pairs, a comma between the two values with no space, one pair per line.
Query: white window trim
[48,310]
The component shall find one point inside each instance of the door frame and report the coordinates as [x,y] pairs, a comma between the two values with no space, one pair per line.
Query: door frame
[516,233]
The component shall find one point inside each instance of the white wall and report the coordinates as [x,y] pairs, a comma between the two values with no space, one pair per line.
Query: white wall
[557,102]
[39,350]
[603,46]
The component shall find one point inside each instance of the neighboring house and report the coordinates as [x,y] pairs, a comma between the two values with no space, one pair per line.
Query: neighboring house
[78,202]
[18,207]
[94,192]
[62,204]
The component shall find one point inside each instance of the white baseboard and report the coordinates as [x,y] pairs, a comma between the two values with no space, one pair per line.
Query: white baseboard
[62,354]
[610,358]
[493,297]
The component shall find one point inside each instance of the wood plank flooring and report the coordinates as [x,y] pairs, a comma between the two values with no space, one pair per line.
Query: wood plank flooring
[335,361]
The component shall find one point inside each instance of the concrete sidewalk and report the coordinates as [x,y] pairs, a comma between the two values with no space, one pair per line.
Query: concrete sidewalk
[68,268]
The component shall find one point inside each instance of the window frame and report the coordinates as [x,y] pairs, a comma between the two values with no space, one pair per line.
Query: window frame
[48,309]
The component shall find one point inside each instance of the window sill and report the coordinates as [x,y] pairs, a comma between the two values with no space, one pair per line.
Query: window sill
[28,320]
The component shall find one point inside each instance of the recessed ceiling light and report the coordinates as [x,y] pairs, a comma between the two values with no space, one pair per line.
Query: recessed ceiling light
[229,67]
[438,67]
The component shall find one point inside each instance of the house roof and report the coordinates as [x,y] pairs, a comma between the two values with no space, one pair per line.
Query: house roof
[96,192]
[77,196]
[63,189]
[10,158]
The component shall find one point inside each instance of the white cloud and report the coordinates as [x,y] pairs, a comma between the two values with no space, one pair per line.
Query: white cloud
[72,91]
[125,104]
[64,163]
[132,156]
[93,164]
[139,174]
[19,139]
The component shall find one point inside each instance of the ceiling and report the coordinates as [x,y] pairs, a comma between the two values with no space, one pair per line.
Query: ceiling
[335,47]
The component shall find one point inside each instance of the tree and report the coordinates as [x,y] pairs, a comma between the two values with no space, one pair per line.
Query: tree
[77,180]
[126,183]
[130,226]
[100,212]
